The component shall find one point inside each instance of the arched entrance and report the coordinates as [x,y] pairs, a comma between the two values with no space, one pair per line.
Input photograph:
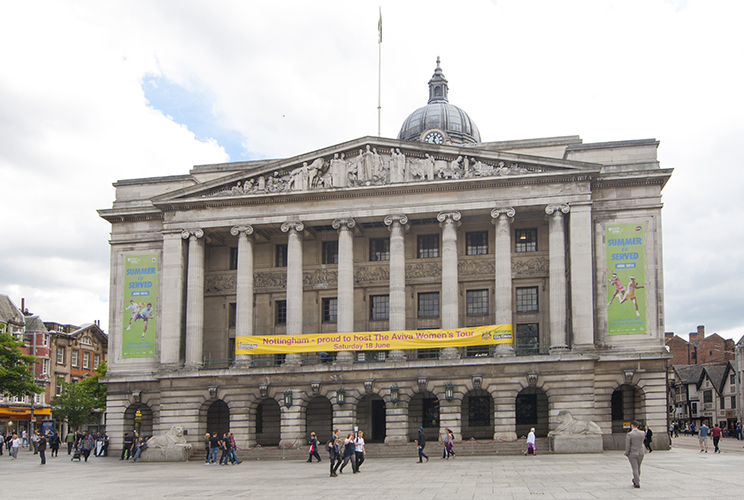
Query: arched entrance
[423,411]
[218,418]
[531,410]
[371,418]
[625,406]
[138,418]
[477,415]
[268,423]
[319,418]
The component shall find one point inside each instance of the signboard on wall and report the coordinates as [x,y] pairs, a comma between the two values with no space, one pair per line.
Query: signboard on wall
[140,298]
[626,278]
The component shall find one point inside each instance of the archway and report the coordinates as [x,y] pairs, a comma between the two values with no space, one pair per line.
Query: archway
[477,415]
[371,418]
[218,418]
[138,418]
[268,423]
[319,418]
[423,411]
[531,410]
[625,407]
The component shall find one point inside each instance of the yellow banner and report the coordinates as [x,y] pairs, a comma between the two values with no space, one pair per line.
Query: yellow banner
[374,341]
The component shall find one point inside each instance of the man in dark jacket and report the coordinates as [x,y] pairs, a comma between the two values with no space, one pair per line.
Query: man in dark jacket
[334,450]
[42,446]
[421,442]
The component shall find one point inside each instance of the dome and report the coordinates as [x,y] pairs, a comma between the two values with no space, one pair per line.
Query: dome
[440,120]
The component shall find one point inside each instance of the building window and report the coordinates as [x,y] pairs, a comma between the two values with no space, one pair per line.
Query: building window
[428,305]
[379,307]
[528,339]
[525,240]
[379,249]
[60,355]
[430,412]
[694,408]
[45,366]
[86,341]
[479,411]
[707,396]
[75,358]
[330,252]
[723,403]
[86,359]
[58,387]
[732,379]
[527,299]
[476,243]
[330,310]
[476,302]
[232,314]
[281,312]
[97,360]
[428,246]
[233,258]
[733,402]
[45,340]
[281,256]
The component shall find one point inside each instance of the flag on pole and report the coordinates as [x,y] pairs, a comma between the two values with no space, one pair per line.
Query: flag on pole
[379,25]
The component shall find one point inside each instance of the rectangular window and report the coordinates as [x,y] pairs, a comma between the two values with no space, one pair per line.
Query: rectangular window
[86,359]
[379,307]
[281,312]
[379,249]
[479,411]
[58,387]
[525,240]
[330,252]
[97,360]
[693,408]
[723,403]
[528,339]
[428,305]
[732,379]
[707,396]
[428,246]
[281,256]
[45,366]
[476,302]
[330,310]
[527,299]
[45,340]
[476,243]
[60,355]
[733,402]
[232,314]
[430,412]
[75,358]
[233,258]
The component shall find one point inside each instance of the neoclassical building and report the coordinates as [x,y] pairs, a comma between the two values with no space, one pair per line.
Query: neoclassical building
[435,229]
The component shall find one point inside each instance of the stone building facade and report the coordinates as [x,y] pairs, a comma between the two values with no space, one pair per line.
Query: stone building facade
[433,230]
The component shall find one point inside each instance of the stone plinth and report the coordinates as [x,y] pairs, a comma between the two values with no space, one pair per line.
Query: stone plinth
[589,443]
[177,454]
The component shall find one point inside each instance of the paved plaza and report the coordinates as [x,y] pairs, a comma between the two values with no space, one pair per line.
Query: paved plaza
[680,473]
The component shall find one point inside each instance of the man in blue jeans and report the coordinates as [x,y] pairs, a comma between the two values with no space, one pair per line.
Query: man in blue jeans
[214,446]
[421,441]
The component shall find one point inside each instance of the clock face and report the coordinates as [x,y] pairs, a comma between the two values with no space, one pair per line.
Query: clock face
[434,138]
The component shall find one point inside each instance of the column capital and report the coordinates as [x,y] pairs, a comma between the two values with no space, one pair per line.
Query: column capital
[563,208]
[343,224]
[399,218]
[508,211]
[296,226]
[449,216]
[196,233]
[246,230]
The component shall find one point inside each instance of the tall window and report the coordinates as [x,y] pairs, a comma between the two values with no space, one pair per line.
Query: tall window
[707,396]
[281,312]
[330,310]
[233,258]
[330,252]
[379,249]
[476,302]
[60,355]
[428,305]
[525,240]
[430,412]
[476,243]
[45,366]
[232,314]
[86,359]
[479,413]
[281,256]
[528,339]
[428,246]
[379,307]
[527,299]
[58,387]
[97,359]
[75,361]
[45,340]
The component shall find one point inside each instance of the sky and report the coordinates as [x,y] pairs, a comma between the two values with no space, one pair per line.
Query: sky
[93,92]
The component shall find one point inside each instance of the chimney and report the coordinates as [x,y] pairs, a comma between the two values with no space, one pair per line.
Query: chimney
[23,304]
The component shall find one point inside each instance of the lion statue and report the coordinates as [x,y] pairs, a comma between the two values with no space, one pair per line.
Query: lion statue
[567,424]
[172,439]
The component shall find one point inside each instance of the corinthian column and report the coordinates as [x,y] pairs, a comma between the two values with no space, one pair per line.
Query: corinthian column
[503,283]
[397,299]
[345,321]
[171,310]
[557,249]
[450,304]
[244,288]
[582,301]
[195,299]
[294,282]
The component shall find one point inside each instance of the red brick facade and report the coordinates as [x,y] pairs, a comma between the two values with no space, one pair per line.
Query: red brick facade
[700,349]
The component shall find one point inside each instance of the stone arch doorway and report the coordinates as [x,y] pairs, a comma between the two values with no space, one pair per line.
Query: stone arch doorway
[319,418]
[371,418]
[268,423]
[138,418]
[423,411]
[625,405]
[477,415]
[531,410]
[218,418]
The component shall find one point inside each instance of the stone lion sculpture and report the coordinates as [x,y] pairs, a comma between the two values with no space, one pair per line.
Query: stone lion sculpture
[172,439]
[567,424]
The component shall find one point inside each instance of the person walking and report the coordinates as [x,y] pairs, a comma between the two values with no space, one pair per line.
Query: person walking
[634,450]
[359,450]
[54,443]
[349,453]
[703,437]
[35,442]
[24,437]
[41,446]
[738,431]
[233,450]
[15,445]
[70,440]
[449,442]
[421,442]
[334,451]
[649,438]
[531,443]
[313,448]
[86,444]
[716,433]
[226,446]
[214,446]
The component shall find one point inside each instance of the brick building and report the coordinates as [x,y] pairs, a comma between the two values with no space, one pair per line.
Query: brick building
[699,349]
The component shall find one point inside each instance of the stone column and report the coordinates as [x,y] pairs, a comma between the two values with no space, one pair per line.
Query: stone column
[396,422]
[397,226]
[344,416]
[449,221]
[294,283]
[503,283]
[504,408]
[345,295]
[557,250]
[293,422]
[450,415]
[195,299]
[171,309]
[582,299]
[244,289]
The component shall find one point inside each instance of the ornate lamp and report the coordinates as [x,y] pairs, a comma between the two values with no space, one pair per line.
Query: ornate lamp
[394,393]
[340,396]
[449,391]
[288,398]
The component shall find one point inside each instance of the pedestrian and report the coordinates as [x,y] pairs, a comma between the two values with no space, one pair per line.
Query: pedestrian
[738,431]
[54,443]
[715,433]
[99,445]
[349,453]
[104,450]
[703,437]
[649,438]
[24,437]
[86,444]
[359,450]
[634,450]
[70,440]
[449,443]
[2,443]
[41,446]
[206,447]
[126,450]
[141,446]
[676,429]
[334,451]
[531,443]
[15,444]
[421,442]
[313,448]
[214,446]
[225,445]
[233,450]
[35,442]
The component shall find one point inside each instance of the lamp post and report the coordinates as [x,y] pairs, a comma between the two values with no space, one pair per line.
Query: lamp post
[288,398]
[340,396]
[449,391]
[394,393]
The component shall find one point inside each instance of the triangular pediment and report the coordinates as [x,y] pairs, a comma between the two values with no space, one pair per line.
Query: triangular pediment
[374,162]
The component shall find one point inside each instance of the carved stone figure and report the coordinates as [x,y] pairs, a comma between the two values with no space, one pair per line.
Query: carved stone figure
[338,171]
[172,439]
[397,166]
[568,425]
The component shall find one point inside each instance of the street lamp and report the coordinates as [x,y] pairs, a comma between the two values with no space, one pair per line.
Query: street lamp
[288,398]
[394,393]
[449,391]
[340,396]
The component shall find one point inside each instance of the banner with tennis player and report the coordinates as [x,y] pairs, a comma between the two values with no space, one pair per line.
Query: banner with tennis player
[626,278]
[140,298]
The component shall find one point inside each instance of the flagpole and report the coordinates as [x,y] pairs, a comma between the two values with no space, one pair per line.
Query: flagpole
[379,76]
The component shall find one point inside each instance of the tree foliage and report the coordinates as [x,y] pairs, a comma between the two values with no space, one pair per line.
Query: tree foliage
[80,402]
[16,376]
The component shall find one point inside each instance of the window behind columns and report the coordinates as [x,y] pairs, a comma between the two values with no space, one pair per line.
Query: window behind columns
[281,255]
[528,339]
[232,315]
[527,299]
[428,305]
[330,310]
[280,306]
[233,258]
[379,307]
[476,302]
[525,240]
[428,246]
[330,252]
[476,243]
[379,249]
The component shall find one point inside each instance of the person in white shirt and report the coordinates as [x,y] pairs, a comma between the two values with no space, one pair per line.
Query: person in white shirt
[359,450]
[531,443]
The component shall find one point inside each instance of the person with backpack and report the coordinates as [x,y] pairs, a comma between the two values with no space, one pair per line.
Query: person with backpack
[313,448]
[86,444]
[333,447]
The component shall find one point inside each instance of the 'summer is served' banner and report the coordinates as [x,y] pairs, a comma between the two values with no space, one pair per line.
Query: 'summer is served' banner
[626,272]
[374,341]
[140,297]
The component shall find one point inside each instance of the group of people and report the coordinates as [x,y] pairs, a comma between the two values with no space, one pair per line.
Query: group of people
[213,443]
[39,442]
[133,447]
[340,454]
[716,433]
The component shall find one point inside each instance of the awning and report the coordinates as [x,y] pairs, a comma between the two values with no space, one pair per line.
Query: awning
[8,413]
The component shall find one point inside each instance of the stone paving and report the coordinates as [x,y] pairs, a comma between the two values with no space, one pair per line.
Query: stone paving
[682,473]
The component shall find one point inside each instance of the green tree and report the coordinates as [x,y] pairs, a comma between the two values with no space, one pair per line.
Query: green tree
[16,377]
[79,403]
[95,388]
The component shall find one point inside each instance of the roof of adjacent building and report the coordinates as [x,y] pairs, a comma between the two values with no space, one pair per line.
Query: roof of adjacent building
[9,313]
